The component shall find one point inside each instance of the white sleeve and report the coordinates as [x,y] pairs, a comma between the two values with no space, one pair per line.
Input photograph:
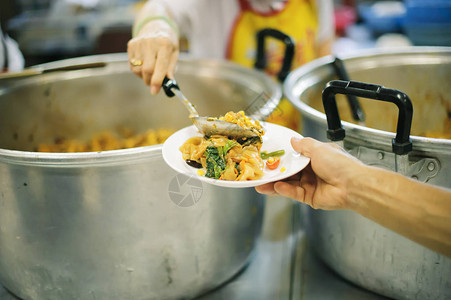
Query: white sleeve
[326,21]
[205,23]
[15,58]
[180,11]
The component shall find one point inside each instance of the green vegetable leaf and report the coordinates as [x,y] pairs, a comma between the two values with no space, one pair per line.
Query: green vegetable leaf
[229,145]
[266,155]
[250,140]
[215,162]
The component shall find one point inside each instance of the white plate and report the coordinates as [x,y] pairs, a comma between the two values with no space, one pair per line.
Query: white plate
[276,137]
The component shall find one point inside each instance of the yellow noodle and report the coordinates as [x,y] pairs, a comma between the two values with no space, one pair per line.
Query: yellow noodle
[122,138]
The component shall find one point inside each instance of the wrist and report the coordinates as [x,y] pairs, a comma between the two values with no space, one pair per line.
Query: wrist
[157,31]
[144,23]
[358,185]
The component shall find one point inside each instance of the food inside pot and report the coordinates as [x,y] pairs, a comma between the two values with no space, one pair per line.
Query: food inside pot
[122,138]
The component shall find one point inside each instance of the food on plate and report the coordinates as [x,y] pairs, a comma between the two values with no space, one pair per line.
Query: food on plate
[266,155]
[122,138]
[273,162]
[224,158]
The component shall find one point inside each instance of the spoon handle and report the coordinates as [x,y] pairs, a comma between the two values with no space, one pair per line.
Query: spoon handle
[171,89]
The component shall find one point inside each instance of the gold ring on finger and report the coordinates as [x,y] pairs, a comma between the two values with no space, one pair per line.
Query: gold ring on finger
[136,62]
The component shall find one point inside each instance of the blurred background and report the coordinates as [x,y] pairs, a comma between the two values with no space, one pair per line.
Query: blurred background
[48,30]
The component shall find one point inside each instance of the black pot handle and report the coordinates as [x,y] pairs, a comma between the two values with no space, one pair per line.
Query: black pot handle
[260,62]
[357,112]
[401,144]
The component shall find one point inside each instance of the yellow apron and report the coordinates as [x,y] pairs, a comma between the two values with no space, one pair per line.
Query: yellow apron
[296,19]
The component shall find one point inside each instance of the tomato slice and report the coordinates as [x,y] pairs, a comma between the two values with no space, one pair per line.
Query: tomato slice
[273,162]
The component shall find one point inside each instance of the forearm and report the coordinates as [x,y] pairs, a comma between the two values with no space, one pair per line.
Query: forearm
[418,211]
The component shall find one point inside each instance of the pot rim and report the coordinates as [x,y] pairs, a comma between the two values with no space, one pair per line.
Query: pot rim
[109,157]
[293,86]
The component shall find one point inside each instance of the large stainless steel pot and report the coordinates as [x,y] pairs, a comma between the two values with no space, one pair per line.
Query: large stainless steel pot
[355,247]
[118,224]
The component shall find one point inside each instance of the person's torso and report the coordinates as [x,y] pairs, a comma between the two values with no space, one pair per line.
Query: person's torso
[213,27]
[227,29]
[295,18]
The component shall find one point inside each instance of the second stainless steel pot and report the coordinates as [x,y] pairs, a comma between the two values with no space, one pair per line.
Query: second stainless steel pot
[357,248]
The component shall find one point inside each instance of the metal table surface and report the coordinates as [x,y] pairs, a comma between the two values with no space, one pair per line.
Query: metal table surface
[282,266]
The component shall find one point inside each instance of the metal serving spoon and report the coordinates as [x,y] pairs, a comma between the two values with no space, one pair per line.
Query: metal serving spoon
[207,125]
